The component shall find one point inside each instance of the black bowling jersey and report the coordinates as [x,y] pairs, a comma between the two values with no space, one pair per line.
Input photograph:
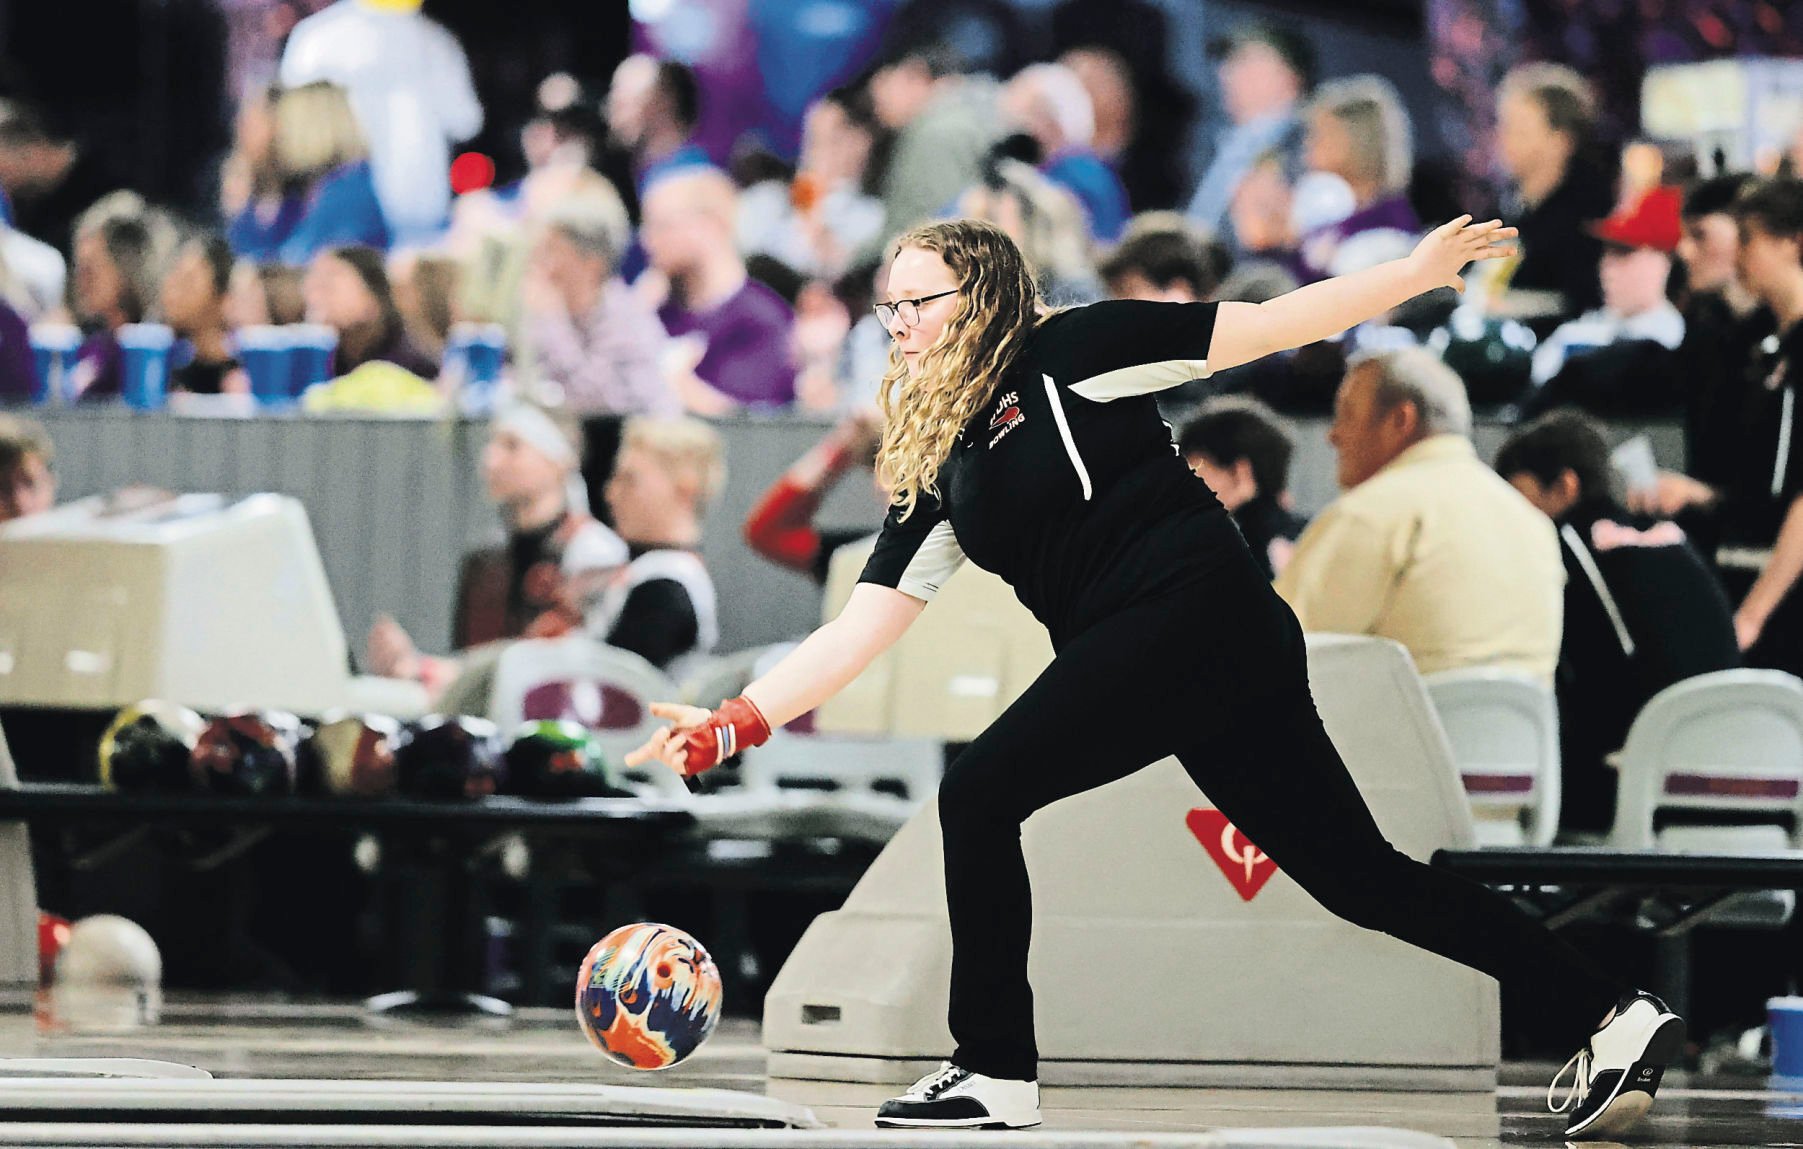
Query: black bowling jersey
[1067,482]
[1768,471]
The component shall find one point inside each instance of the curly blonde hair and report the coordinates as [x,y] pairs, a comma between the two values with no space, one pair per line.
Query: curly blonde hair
[998,305]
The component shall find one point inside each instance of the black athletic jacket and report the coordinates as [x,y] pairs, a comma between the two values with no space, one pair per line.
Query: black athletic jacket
[1067,482]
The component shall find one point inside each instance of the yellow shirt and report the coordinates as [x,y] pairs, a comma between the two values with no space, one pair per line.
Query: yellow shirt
[1439,553]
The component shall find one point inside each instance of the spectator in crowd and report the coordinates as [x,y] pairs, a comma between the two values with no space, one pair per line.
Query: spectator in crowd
[1049,103]
[1358,132]
[662,605]
[1164,260]
[944,124]
[592,335]
[1723,323]
[115,283]
[565,131]
[817,223]
[347,289]
[1761,504]
[425,293]
[1544,117]
[194,305]
[328,190]
[1242,451]
[1426,546]
[33,275]
[27,477]
[1621,358]
[1112,98]
[252,198]
[1266,72]
[267,293]
[733,331]
[1045,220]
[652,108]
[1642,609]
[529,584]
[410,84]
[781,526]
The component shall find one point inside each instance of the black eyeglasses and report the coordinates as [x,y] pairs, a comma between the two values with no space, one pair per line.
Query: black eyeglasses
[908,310]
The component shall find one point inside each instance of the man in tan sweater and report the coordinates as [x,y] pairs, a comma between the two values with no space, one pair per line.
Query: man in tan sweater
[1427,545]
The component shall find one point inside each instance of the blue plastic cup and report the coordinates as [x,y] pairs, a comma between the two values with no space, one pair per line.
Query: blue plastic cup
[1784,1019]
[311,347]
[147,347]
[484,351]
[265,353]
[53,349]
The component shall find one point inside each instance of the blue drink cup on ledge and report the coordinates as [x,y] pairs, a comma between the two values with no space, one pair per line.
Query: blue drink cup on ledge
[310,350]
[53,348]
[264,351]
[481,351]
[147,347]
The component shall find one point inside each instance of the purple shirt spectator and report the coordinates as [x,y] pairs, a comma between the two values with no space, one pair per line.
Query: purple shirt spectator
[747,356]
[18,368]
[99,370]
[606,361]
[1321,247]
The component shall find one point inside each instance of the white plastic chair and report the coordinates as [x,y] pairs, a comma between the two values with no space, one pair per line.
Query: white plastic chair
[606,689]
[1731,741]
[1503,727]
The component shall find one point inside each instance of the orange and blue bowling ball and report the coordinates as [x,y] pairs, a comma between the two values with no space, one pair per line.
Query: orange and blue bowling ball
[648,995]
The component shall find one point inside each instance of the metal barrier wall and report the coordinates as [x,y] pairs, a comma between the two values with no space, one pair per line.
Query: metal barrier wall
[394,503]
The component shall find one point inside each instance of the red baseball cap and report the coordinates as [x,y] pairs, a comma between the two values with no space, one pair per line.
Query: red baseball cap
[1651,221]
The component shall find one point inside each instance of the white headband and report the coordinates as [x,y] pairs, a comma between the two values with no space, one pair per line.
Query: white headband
[537,428]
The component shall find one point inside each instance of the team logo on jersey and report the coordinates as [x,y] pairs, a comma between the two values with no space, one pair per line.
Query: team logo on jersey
[1007,416]
[1245,865]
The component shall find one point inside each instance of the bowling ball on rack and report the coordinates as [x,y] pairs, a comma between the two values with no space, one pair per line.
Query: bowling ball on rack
[450,756]
[558,759]
[350,755]
[147,747]
[247,754]
[648,995]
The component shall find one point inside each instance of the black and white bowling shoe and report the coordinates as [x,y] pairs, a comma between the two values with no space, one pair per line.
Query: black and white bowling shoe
[1618,1071]
[954,1098]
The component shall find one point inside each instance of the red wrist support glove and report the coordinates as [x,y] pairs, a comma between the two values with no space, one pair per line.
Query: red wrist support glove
[737,725]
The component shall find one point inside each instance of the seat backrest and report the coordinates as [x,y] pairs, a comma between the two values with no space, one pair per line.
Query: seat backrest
[18,893]
[606,689]
[1503,727]
[1730,741]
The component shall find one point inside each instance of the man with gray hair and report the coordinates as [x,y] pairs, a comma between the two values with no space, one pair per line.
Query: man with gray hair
[1050,103]
[1427,545]
[591,335]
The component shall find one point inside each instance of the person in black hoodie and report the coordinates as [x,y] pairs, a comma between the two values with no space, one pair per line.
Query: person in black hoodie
[1642,609]
[1241,450]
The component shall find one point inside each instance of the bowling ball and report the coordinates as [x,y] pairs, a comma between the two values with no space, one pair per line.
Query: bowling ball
[450,756]
[1494,357]
[248,754]
[147,746]
[109,975]
[558,759]
[350,755]
[648,995]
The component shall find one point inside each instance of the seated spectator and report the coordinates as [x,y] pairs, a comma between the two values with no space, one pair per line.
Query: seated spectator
[652,108]
[1045,220]
[1049,103]
[33,162]
[115,283]
[1642,610]
[27,481]
[530,584]
[1426,546]
[662,605]
[1242,451]
[347,289]
[1266,72]
[734,329]
[1164,262]
[1545,114]
[781,526]
[328,192]
[264,294]
[590,333]
[818,222]
[194,305]
[944,123]
[1359,133]
[1619,358]
[425,289]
